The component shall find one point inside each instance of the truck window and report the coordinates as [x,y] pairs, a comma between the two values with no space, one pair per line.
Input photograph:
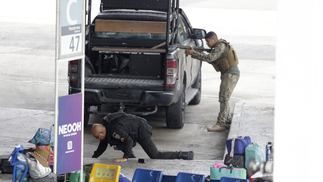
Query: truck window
[183,29]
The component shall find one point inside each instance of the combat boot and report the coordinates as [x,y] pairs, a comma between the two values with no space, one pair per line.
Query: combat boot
[227,125]
[216,127]
[186,155]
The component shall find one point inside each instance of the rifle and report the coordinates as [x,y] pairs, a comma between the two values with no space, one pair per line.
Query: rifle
[196,48]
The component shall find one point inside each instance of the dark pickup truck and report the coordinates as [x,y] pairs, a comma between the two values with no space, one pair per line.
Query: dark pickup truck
[133,62]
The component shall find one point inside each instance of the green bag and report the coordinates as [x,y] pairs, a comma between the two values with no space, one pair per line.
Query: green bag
[254,151]
[75,176]
[229,171]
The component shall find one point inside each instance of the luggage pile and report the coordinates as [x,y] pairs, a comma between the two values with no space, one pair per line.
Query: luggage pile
[243,159]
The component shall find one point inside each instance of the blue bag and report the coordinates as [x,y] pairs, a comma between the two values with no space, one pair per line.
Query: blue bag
[238,145]
[20,169]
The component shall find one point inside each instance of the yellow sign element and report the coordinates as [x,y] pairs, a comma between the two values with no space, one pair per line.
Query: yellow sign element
[105,173]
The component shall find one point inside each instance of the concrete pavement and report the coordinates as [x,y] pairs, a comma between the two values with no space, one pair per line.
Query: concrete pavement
[254,118]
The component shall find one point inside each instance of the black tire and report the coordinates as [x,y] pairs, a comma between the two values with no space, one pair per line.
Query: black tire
[198,84]
[86,115]
[175,113]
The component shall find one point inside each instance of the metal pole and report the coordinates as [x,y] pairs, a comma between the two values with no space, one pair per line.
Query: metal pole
[57,32]
[89,17]
[82,83]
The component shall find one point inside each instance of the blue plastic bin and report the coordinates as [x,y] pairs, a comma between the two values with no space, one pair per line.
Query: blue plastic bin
[211,180]
[147,175]
[189,177]
[169,178]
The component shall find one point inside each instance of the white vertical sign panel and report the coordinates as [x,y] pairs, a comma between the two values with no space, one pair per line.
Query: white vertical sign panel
[71,19]
[70,40]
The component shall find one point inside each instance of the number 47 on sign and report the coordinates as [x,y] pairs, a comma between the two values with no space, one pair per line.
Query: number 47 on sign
[71,44]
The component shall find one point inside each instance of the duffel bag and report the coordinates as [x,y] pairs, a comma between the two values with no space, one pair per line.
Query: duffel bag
[238,145]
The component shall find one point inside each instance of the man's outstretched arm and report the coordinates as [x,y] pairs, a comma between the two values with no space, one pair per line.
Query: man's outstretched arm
[101,148]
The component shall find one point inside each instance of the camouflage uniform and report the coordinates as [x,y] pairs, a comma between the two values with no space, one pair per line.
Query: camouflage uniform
[229,79]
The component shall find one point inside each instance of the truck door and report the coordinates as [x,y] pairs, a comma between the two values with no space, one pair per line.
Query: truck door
[184,34]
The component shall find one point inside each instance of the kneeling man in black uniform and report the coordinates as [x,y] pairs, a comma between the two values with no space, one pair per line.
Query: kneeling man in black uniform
[123,131]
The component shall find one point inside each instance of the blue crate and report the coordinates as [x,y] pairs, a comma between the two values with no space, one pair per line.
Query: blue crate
[189,177]
[211,180]
[147,175]
[169,178]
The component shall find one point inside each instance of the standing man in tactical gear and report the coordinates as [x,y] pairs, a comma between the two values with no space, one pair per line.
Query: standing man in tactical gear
[124,130]
[224,59]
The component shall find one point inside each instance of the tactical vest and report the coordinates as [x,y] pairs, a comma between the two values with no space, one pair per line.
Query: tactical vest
[226,60]
[136,125]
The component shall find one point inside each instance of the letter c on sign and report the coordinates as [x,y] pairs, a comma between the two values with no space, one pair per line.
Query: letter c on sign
[70,21]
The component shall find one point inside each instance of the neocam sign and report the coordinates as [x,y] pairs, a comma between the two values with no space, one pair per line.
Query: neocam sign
[71,20]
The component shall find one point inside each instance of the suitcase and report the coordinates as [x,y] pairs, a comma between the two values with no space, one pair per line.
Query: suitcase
[5,166]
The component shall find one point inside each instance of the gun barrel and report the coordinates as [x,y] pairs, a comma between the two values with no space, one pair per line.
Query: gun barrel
[183,47]
[197,48]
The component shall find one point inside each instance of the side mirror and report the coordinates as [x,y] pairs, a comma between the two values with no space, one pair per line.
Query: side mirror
[199,33]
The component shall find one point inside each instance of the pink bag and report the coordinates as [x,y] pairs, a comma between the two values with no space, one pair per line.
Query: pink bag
[218,165]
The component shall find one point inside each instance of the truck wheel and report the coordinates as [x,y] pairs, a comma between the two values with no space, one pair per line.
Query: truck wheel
[175,113]
[86,114]
[198,84]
